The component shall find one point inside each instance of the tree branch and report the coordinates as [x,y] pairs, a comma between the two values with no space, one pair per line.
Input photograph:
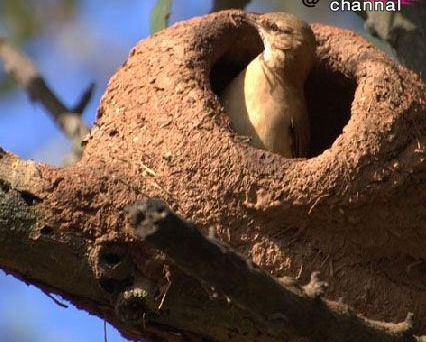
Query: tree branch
[27,75]
[105,281]
[218,266]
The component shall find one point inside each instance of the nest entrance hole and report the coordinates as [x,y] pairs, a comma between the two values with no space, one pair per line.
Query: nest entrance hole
[329,93]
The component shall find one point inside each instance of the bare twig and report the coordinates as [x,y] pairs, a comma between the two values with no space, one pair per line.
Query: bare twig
[278,304]
[55,300]
[27,75]
[85,98]
[105,332]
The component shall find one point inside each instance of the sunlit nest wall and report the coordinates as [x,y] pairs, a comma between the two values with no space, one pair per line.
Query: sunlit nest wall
[165,99]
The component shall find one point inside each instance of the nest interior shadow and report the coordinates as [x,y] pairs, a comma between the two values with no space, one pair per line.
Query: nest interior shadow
[329,93]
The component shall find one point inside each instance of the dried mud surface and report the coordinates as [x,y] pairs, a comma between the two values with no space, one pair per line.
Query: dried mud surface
[354,210]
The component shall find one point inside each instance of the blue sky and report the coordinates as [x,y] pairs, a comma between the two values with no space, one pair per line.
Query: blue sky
[88,49]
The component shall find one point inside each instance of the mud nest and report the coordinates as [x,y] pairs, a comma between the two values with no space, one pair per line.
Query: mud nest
[353,210]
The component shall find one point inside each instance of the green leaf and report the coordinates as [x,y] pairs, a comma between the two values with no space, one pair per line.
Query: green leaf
[160,15]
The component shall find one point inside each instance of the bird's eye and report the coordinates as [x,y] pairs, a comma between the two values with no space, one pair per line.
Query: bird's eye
[274,27]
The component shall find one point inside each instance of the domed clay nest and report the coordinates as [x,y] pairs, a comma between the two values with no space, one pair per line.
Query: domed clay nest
[354,210]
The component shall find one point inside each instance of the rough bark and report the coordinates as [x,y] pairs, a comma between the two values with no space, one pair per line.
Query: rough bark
[353,210]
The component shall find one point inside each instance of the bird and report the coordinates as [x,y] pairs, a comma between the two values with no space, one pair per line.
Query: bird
[266,100]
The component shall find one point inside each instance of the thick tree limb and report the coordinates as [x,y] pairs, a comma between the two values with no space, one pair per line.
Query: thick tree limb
[104,280]
[27,75]
[39,254]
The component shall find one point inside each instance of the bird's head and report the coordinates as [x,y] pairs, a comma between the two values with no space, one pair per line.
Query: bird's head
[286,38]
